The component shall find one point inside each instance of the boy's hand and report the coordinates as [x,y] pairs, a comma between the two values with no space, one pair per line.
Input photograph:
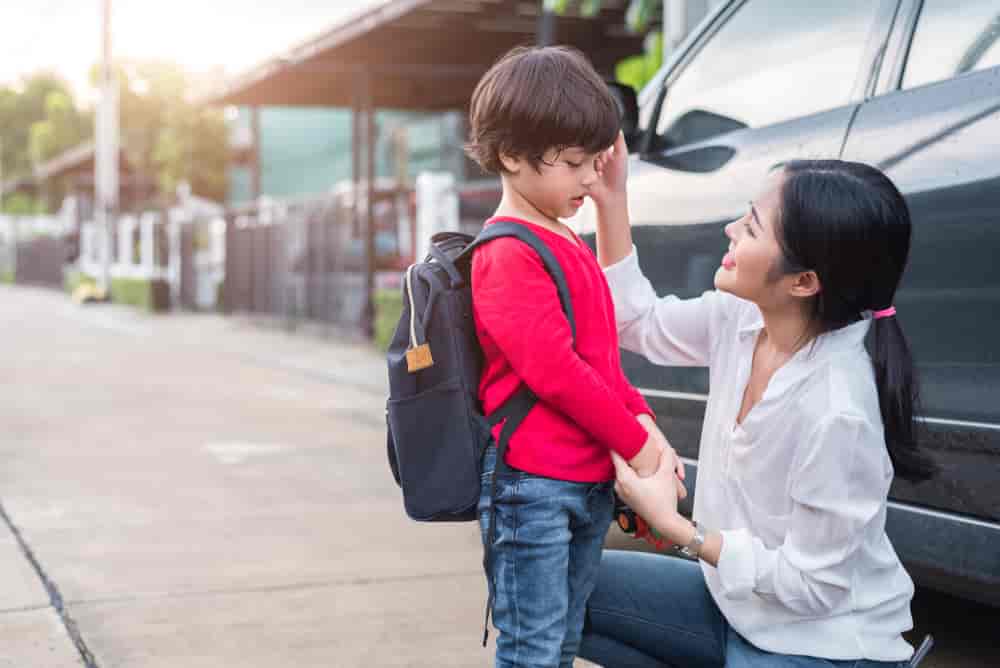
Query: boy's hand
[647,460]
[612,172]
[659,442]
[654,498]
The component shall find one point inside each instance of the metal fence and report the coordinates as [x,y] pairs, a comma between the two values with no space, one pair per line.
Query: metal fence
[304,259]
[40,261]
[34,248]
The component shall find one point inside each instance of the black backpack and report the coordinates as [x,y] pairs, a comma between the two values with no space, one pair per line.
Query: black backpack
[437,432]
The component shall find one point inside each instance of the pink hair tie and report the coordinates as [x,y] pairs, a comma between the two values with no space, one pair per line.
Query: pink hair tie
[884,313]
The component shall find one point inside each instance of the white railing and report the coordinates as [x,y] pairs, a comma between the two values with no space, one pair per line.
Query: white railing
[149,248]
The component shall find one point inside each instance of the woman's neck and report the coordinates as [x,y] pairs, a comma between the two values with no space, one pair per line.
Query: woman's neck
[788,329]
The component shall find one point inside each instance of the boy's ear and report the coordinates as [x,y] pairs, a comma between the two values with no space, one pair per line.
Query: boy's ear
[510,163]
[806,284]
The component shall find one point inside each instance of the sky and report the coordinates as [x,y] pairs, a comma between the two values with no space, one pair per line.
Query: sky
[65,35]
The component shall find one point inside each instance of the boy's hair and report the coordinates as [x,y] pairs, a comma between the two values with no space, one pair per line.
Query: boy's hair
[534,99]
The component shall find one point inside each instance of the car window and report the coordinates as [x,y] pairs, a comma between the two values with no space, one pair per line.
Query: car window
[953,37]
[772,61]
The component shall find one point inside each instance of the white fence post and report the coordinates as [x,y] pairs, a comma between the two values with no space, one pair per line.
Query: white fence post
[437,208]
[123,267]
[147,244]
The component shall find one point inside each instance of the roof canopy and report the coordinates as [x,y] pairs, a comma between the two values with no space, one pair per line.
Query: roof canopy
[76,162]
[419,54]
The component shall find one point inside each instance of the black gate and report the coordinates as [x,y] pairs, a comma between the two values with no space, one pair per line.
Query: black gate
[187,292]
[295,261]
[40,261]
[304,260]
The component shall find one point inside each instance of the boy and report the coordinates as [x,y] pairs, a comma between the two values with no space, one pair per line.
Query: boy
[543,120]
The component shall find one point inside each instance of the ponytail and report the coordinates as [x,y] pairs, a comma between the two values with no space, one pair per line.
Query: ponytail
[848,222]
[898,397]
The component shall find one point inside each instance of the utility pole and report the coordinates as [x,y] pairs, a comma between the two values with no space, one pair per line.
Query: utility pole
[545,30]
[106,151]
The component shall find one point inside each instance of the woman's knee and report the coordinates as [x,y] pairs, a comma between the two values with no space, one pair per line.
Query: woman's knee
[629,575]
[658,604]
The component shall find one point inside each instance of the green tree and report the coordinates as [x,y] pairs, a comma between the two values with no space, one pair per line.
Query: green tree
[63,127]
[636,70]
[20,204]
[163,135]
[22,105]
[193,147]
[638,16]
[38,119]
[166,137]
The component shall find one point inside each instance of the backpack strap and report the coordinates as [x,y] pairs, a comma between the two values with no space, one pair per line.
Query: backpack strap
[506,228]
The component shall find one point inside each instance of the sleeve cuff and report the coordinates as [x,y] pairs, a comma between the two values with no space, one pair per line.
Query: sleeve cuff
[638,406]
[630,289]
[631,440]
[623,269]
[736,568]
[642,408]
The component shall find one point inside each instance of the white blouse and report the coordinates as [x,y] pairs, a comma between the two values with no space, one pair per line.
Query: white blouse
[798,489]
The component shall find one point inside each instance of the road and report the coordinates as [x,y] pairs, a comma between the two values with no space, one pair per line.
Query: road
[191,490]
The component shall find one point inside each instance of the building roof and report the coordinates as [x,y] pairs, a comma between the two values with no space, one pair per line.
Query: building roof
[419,54]
[77,161]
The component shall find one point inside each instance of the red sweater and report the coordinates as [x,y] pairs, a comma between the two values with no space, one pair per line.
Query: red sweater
[586,405]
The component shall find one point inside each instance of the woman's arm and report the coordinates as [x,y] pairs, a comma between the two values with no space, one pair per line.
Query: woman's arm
[667,331]
[614,235]
[840,484]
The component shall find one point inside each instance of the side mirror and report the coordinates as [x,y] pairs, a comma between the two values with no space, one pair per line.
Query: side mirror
[628,108]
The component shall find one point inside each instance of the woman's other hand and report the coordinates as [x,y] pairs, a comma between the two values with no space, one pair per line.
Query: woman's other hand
[654,498]
[614,236]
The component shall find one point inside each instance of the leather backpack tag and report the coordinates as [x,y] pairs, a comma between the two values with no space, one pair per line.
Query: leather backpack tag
[419,358]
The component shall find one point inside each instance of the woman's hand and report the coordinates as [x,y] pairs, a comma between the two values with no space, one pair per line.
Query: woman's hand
[653,498]
[614,236]
[612,173]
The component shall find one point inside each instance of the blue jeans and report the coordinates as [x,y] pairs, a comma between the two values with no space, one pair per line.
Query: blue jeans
[546,552]
[654,611]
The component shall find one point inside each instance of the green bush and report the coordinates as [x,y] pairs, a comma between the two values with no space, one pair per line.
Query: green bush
[388,309]
[74,279]
[6,276]
[149,295]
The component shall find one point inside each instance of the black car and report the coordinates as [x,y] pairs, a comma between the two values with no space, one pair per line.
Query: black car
[913,87]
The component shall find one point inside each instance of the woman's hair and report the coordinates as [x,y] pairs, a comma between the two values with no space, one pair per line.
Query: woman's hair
[847,222]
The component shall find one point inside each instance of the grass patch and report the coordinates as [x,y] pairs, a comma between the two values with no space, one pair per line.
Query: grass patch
[388,309]
[74,279]
[7,276]
[149,295]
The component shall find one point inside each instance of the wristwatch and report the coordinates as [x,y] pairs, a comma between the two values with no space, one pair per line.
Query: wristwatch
[693,549]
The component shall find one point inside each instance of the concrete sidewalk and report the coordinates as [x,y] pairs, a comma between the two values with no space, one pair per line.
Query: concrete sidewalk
[200,492]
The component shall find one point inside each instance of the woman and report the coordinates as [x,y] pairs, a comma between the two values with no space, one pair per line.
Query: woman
[802,435]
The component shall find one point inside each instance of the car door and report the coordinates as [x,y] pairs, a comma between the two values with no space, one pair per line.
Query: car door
[765,81]
[934,128]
